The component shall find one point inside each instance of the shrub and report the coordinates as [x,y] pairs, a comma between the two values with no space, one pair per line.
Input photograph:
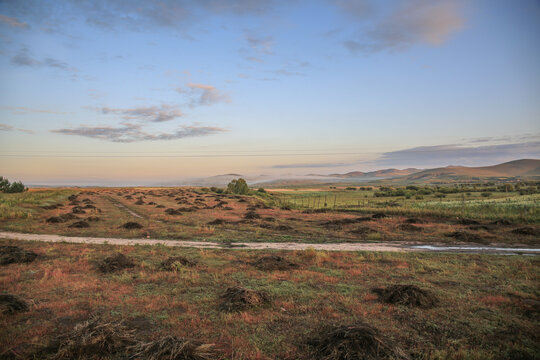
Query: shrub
[238,186]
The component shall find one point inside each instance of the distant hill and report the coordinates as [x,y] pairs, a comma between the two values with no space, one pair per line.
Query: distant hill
[525,168]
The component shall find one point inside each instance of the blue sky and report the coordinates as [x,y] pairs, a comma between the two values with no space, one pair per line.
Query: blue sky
[139,91]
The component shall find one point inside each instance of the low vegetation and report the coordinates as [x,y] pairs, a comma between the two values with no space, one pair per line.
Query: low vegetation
[221,306]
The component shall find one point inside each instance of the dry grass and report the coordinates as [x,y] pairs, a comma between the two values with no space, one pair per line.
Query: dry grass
[173,348]
[92,339]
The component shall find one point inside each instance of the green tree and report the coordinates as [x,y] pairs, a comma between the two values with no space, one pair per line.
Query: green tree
[15,187]
[238,186]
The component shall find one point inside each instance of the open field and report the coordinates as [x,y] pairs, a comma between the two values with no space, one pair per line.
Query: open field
[487,305]
[295,216]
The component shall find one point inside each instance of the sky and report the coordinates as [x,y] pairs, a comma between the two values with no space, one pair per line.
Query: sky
[148,92]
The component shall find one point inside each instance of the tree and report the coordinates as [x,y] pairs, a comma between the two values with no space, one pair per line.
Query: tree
[15,187]
[238,186]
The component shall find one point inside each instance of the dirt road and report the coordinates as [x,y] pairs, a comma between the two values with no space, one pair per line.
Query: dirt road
[381,246]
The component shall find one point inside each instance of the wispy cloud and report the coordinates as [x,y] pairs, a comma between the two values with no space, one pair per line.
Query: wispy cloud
[263,45]
[285,72]
[421,21]
[27,110]
[128,133]
[202,94]
[152,113]
[6,127]
[12,22]
[23,58]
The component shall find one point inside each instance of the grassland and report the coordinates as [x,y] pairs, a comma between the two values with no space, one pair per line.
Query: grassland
[278,216]
[488,305]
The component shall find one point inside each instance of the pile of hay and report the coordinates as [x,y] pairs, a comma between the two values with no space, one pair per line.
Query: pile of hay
[251,215]
[174,263]
[502,222]
[468,222]
[363,230]
[410,295]
[79,225]
[115,262]
[92,339]
[11,304]
[132,225]
[274,262]
[217,222]
[526,230]
[414,221]
[14,254]
[464,236]
[352,341]
[238,298]
[171,347]
[409,227]
[78,210]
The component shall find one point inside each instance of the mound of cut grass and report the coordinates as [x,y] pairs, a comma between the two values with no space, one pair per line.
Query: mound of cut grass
[238,298]
[352,341]
[14,254]
[410,295]
[114,263]
[11,304]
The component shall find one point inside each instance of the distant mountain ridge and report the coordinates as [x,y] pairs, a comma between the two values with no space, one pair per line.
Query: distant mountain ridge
[524,168]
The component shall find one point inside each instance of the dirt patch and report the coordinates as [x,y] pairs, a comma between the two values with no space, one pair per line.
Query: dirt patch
[274,262]
[172,347]
[92,339]
[410,295]
[238,298]
[352,341]
[14,254]
[174,263]
[410,228]
[132,225]
[11,304]
[464,236]
[114,263]
[79,225]
[526,230]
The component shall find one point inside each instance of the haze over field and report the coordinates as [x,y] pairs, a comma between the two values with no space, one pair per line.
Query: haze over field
[106,92]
